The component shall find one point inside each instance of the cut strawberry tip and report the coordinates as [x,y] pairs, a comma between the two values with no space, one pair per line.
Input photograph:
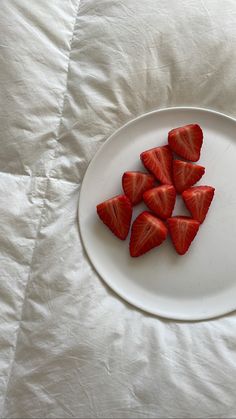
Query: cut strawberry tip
[182,232]
[186,141]
[135,183]
[198,200]
[161,200]
[116,214]
[158,161]
[147,232]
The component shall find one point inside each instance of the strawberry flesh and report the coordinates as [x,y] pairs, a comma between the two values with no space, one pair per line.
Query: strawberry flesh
[135,184]
[182,231]
[158,161]
[198,200]
[186,141]
[147,232]
[161,200]
[186,174]
[116,213]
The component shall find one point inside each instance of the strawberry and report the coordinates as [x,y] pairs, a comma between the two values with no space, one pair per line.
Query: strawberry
[182,231]
[198,200]
[186,141]
[135,184]
[158,161]
[186,174]
[147,232]
[161,200]
[116,213]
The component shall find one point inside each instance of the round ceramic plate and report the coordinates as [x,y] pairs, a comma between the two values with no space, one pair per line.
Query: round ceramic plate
[202,283]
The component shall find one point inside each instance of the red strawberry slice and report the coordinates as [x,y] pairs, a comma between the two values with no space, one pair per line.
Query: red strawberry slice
[182,231]
[198,200]
[158,161]
[135,184]
[116,213]
[186,174]
[147,232]
[161,200]
[186,141]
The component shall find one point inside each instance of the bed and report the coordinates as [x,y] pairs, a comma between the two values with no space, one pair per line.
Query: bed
[71,73]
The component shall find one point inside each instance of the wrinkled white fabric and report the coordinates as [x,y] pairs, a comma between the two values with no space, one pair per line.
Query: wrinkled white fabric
[70,74]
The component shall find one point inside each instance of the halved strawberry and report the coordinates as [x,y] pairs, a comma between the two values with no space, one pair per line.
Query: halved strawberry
[147,232]
[186,174]
[116,213]
[158,161]
[198,200]
[186,141]
[161,200]
[182,231]
[135,184]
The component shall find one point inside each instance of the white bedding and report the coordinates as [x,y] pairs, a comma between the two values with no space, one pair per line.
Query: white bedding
[70,74]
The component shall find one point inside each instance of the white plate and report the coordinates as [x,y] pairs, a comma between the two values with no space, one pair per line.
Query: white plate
[200,284]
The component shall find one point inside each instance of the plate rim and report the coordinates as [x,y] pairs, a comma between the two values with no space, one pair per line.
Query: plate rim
[152,312]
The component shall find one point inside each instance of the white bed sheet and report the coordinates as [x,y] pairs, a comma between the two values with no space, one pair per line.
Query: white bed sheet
[70,74]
